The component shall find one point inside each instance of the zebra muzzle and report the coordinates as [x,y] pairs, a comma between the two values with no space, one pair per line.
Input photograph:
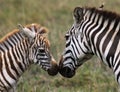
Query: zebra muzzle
[67,72]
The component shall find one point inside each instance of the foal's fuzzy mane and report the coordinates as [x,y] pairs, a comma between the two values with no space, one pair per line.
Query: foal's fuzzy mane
[35,25]
[9,35]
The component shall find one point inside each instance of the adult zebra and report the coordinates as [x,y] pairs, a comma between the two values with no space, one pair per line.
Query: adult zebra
[21,48]
[94,31]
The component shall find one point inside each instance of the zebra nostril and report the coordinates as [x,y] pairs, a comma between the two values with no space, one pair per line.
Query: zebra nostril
[67,72]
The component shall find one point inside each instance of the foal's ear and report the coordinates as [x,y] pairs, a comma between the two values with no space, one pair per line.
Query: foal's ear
[78,14]
[42,30]
[26,32]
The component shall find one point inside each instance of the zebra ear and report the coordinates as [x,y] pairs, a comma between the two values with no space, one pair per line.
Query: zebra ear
[78,14]
[43,30]
[26,32]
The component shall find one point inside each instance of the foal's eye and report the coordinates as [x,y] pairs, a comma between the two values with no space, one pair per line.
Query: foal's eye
[41,50]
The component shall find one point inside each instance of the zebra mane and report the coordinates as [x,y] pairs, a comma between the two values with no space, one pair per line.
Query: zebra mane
[107,15]
[33,27]
[9,35]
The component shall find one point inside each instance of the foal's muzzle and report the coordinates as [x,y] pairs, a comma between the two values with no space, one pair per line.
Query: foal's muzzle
[54,68]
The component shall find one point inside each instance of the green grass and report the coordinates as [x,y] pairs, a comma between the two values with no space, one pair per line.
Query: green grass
[56,15]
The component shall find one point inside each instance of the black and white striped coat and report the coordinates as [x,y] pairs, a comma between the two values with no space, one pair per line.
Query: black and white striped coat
[94,31]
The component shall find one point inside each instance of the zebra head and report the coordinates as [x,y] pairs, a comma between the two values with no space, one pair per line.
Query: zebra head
[77,46]
[39,47]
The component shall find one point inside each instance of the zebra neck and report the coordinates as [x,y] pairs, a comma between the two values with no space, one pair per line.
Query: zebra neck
[104,39]
[14,55]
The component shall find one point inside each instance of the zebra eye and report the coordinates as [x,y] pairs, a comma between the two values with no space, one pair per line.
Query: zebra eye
[67,36]
[41,50]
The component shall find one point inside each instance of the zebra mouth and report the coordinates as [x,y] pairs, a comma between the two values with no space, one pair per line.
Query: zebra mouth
[67,72]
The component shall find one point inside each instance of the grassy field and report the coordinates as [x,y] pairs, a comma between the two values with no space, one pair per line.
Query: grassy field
[56,15]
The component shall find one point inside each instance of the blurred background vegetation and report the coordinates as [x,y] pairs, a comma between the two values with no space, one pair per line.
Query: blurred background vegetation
[56,15]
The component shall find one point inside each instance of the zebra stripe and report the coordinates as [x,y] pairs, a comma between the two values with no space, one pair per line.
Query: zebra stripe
[94,31]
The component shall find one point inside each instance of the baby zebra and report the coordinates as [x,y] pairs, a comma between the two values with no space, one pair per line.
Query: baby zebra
[21,48]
